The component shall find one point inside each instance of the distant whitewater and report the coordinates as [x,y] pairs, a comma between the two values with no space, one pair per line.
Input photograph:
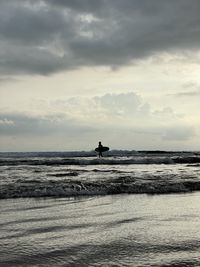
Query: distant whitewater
[65,174]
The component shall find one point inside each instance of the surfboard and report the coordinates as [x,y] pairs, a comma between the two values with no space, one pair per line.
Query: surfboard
[103,149]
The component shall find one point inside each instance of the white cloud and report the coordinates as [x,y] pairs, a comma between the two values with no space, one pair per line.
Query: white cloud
[82,121]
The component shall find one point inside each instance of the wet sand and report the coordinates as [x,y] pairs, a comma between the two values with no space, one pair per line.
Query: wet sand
[118,230]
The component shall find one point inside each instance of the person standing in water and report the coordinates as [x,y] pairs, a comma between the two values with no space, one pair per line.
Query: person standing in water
[100,149]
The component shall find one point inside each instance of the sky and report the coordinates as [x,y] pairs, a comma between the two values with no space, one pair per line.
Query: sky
[76,72]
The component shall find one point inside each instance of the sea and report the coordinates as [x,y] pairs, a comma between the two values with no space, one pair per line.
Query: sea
[128,208]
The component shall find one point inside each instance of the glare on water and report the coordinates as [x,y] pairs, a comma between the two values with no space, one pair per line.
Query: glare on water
[120,230]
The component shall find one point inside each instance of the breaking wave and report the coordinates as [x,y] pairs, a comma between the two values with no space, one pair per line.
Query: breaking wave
[101,161]
[66,174]
[68,188]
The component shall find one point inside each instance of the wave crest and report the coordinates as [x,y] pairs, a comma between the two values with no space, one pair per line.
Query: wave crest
[101,161]
[77,188]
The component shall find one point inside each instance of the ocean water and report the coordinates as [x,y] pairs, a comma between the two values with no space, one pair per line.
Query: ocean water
[126,209]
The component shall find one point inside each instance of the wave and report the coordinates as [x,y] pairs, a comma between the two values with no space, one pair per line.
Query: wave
[101,161]
[69,188]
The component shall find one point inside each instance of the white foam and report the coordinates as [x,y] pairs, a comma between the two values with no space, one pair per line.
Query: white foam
[78,188]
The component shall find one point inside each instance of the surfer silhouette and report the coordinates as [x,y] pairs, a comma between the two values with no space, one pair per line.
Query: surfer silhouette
[100,147]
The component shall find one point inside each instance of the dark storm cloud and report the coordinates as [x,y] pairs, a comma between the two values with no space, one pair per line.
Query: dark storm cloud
[29,25]
[44,37]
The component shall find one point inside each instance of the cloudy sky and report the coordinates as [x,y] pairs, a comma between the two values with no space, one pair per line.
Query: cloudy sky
[73,72]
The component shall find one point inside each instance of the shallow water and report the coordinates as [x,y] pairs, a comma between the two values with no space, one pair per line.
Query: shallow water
[92,221]
[36,175]
[112,230]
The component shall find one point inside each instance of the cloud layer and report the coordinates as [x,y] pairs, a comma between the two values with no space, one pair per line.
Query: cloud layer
[122,120]
[44,37]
